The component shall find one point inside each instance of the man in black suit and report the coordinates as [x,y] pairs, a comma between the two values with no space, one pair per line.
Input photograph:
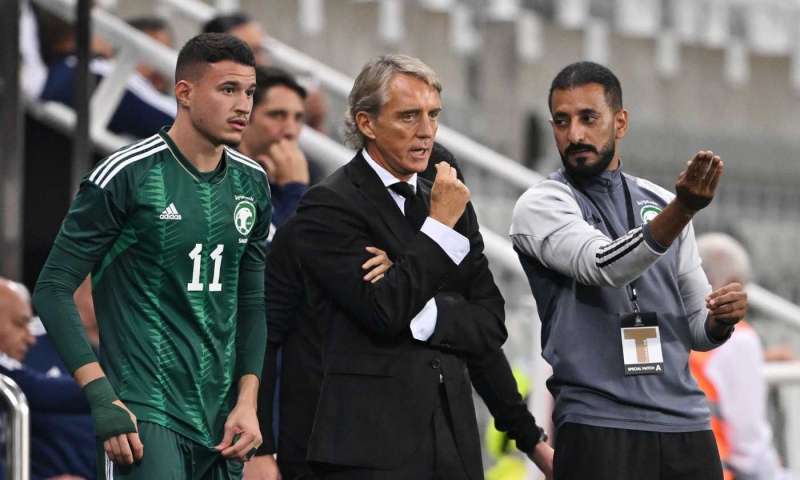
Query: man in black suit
[398,355]
[297,340]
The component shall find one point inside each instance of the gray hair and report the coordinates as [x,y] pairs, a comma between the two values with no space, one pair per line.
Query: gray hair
[724,259]
[371,89]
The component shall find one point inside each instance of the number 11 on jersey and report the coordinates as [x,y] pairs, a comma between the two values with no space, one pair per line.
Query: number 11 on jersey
[195,285]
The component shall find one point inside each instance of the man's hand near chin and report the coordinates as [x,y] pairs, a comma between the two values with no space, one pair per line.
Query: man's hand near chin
[542,456]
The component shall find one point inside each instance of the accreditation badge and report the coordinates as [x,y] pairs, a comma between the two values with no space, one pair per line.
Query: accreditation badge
[641,344]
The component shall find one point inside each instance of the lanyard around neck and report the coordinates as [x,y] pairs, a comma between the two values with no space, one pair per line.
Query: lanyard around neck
[628,204]
[613,231]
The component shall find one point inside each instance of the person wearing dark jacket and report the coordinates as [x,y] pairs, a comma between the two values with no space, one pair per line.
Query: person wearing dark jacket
[399,354]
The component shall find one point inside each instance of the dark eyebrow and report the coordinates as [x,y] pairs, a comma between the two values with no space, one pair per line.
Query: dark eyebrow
[230,83]
[405,112]
[588,111]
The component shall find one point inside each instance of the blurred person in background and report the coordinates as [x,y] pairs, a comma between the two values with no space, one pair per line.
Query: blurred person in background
[271,138]
[63,443]
[612,262]
[251,32]
[157,29]
[48,393]
[732,376]
[243,27]
[142,109]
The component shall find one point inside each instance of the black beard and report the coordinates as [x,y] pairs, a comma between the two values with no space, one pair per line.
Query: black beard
[581,169]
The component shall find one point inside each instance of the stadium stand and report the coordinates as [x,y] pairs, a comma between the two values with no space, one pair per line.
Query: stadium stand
[733,85]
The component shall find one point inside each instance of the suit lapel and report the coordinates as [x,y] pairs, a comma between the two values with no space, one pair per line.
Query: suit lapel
[373,191]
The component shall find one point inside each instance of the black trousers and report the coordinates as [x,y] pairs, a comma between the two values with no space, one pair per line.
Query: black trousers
[584,452]
[296,471]
[437,457]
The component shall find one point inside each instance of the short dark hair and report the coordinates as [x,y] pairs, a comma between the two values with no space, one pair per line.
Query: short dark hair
[268,77]
[226,23]
[583,73]
[211,48]
[148,23]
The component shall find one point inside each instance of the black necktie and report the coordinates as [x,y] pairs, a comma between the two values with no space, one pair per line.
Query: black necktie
[414,207]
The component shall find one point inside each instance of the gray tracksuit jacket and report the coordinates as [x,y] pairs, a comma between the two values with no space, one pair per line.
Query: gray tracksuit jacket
[578,275]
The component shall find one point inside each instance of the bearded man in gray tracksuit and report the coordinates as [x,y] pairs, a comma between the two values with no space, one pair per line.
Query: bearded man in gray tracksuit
[613,264]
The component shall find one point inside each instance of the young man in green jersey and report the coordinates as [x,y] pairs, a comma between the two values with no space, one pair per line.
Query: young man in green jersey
[172,229]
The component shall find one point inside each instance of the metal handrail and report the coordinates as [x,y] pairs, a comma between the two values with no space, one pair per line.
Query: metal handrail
[17,456]
[779,373]
[774,306]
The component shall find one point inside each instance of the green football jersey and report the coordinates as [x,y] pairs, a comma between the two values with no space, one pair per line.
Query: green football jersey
[173,247]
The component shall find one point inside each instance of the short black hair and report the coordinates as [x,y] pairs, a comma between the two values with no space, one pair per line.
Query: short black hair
[583,73]
[211,48]
[226,23]
[148,23]
[268,77]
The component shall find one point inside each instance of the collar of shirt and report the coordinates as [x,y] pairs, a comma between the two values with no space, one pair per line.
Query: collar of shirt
[604,181]
[386,177]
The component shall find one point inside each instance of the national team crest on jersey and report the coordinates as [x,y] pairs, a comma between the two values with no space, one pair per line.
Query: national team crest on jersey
[244,216]
[649,212]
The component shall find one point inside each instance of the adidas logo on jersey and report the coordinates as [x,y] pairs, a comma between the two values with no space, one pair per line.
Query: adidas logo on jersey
[170,213]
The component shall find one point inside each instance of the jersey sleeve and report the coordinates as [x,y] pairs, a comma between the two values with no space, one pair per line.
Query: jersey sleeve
[251,330]
[547,224]
[90,228]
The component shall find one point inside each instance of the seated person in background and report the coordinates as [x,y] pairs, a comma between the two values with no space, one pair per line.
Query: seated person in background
[142,109]
[45,393]
[251,32]
[243,27]
[271,138]
[157,29]
[62,444]
[731,376]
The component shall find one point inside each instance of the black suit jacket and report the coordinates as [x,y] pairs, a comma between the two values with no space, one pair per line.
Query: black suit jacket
[380,386]
[298,342]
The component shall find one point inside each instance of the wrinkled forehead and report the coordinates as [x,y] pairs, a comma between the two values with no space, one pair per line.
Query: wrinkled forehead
[408,89]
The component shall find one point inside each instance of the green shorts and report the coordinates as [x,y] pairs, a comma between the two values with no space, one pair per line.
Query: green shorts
[169,456]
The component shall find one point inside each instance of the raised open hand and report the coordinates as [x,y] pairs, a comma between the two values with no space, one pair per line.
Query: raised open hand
[697,184]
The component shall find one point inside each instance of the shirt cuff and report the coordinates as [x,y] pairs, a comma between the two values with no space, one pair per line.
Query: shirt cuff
[651,242]
[424,323]
[455,245]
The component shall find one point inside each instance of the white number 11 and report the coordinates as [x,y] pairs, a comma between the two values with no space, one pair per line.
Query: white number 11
[194,255]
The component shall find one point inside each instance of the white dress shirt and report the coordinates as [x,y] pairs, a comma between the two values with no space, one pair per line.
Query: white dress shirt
[453,243]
